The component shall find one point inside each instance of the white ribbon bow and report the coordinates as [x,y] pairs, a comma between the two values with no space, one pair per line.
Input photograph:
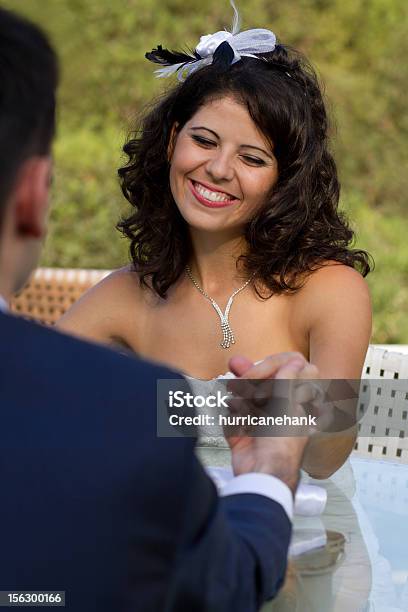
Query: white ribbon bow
[243,44]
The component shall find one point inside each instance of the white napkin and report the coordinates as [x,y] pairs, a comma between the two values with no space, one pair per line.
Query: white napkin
[308,533]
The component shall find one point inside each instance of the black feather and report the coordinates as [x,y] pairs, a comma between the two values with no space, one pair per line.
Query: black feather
[169,58]
[223,55]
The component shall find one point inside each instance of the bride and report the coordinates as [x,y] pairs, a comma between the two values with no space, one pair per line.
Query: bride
[236,241]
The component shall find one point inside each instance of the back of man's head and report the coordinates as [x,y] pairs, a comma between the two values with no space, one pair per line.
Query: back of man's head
[28,81]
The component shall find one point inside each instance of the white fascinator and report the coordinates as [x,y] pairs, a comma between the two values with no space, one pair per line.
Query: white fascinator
[222,47]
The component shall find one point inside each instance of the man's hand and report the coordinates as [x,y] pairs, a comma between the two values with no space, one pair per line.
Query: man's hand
[278,456]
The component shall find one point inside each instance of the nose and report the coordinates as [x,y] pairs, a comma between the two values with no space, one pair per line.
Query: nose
[220,166]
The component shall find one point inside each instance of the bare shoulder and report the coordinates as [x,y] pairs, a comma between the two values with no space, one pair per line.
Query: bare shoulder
[122,280]
[103,312]
[334,288]
[111,292]
[335,277]
[334,309]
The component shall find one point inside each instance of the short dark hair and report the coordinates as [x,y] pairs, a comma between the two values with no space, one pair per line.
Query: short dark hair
[299,227]
[28,82]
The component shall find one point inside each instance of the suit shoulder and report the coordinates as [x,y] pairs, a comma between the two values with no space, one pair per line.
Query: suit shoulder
[51,348]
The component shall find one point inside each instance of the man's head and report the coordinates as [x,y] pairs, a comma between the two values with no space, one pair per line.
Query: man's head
[28,81]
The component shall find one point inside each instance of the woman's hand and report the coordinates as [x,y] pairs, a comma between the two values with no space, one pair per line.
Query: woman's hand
[279,456]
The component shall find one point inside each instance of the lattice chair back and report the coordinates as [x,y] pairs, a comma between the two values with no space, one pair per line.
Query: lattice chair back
[384,403]
[51,291]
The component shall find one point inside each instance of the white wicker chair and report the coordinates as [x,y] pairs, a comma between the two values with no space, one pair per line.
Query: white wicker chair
[384,403]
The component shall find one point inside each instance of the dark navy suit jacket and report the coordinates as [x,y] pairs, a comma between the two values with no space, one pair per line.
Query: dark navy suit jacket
[93,503]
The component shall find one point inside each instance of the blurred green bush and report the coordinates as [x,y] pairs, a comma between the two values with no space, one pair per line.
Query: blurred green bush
[360,50]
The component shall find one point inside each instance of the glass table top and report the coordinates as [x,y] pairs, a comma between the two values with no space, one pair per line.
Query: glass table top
[381,501]
[367,568]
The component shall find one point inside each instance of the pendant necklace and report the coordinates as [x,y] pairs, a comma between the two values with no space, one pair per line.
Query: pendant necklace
[228,336]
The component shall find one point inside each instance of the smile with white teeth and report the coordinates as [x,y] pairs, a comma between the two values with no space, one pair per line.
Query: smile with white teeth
[213,196]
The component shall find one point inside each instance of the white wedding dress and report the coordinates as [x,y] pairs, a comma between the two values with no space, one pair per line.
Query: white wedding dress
[214,452]
[212,449]
[348,583]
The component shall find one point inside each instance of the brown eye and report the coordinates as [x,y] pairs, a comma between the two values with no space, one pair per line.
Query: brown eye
[202,140]
[254,160]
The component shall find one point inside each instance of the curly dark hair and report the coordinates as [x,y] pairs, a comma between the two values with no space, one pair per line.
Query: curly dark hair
[299,227]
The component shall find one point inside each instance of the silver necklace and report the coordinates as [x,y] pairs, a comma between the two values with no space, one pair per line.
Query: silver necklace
[228,336]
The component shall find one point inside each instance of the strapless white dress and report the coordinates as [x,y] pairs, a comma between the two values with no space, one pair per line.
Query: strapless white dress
[214,452]
[348,583]
[206,440]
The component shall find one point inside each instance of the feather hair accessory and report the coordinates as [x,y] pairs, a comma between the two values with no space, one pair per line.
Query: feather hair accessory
[223,47]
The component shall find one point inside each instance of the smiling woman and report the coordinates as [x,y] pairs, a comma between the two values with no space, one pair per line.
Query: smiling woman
[237,245]
[257,130]
[214,165]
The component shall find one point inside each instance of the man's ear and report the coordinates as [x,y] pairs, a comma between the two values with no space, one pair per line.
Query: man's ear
[172,141]
[31,197]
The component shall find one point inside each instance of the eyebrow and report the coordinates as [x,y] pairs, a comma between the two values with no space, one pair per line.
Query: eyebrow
[201,127]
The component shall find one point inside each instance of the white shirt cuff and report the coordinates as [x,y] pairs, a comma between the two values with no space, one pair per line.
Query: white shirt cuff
[261,484]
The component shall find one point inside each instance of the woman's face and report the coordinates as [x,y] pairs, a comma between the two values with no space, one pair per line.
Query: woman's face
[222,167]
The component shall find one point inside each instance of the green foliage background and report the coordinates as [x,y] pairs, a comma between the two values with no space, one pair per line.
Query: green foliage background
[360,48]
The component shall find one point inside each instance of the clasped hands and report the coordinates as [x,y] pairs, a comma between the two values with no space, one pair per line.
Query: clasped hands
[277,455]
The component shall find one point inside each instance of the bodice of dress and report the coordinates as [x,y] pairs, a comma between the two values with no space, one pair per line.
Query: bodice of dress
[206,437]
